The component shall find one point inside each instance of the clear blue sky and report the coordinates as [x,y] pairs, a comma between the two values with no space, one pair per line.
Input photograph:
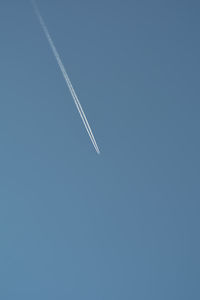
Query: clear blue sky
[125,224]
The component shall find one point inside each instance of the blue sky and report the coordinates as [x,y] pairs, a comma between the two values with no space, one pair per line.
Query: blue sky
[125,224]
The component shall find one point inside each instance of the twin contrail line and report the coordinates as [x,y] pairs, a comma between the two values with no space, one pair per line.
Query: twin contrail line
[66,77]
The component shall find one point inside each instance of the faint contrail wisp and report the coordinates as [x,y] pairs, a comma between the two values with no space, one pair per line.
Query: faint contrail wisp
[66,77]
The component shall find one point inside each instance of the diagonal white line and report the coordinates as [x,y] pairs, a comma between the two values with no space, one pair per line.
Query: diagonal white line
[66,77]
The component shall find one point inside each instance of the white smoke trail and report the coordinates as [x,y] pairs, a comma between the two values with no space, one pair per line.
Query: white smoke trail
[66,77]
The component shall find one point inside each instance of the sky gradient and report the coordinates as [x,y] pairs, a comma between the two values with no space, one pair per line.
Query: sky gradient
[123,224]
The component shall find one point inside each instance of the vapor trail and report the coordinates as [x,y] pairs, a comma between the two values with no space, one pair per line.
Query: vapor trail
[66,77]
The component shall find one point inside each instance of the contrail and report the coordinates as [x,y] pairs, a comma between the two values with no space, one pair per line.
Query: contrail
[66,77]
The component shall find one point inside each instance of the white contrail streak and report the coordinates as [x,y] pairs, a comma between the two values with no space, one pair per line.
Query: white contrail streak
[66,77]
